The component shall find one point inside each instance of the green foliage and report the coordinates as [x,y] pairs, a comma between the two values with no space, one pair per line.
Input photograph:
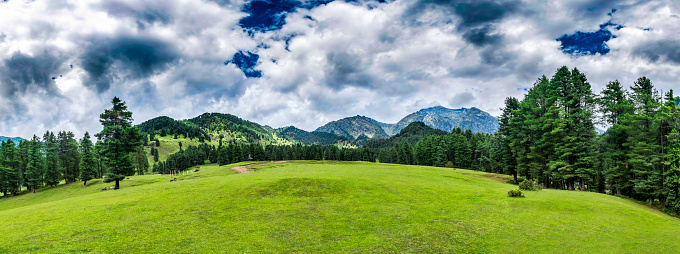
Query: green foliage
[88,163]
[36,163]
[317,138]
[530,185]
[53,166]
[11,177]
[119,139]
[413,133]
[516,193]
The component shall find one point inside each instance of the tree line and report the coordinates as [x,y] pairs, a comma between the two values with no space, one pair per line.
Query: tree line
[550,136]
[54,159]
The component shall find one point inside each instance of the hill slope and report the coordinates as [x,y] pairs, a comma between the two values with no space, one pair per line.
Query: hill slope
[211,126]
[317,138]
[414,132]
[354,127]
[317,207]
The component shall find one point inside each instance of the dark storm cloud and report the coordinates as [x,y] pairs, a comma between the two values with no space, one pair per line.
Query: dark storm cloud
[139,57]
[23,73]
[481,36]
[659,51]
[477,22]
[343,69]
[593,9]
[144,16]
[477,18]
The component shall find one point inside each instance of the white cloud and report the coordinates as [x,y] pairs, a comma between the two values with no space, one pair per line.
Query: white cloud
[332,61]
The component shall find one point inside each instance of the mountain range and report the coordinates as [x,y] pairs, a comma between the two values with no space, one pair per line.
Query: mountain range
[439,117]
[16,140]
[355,130]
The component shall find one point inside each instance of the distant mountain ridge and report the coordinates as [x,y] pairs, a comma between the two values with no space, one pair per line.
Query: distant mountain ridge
[357,130]
[209,127]
[354,127]
[438,117]
[14,139]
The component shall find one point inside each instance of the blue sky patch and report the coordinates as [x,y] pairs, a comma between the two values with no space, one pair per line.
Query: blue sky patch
[588,43]
[270,15]
[246,61]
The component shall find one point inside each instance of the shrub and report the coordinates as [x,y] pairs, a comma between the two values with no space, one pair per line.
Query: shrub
[515,193]
[449,164]
[530,185]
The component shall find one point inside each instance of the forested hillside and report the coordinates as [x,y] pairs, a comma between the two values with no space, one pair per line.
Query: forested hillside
[413,133]
[312,138]
[355,127]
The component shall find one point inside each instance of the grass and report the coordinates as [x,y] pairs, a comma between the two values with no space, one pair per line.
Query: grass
[321,207]
[170,145]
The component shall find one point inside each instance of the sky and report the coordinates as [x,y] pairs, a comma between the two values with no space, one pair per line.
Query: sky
[306,63]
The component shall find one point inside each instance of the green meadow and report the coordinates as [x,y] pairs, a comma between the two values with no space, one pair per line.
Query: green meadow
[327,207]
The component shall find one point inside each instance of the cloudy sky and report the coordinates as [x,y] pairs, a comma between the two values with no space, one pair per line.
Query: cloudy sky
[306,63]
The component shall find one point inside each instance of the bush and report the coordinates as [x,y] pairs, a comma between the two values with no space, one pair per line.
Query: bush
[449,164]
[519,180]
[530,185]
[515,193]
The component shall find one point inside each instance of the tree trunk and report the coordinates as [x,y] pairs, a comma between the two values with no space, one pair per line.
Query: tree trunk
[33,189]
[582,184]
[618,190]
[117,185]
[651,201]
[84,183]
[570,185]
[514,175]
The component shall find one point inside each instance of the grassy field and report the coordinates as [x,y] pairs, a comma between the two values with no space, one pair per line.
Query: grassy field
[321,207]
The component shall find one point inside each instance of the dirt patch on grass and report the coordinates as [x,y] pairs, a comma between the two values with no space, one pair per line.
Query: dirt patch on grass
[245,169]
[491,176]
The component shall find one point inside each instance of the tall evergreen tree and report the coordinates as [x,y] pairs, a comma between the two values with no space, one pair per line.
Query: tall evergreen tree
[119,139]
[10,168]
[34,169]
[69,158]
[644,155]
[615,106]
[88,162]
[509,136]
[52,166]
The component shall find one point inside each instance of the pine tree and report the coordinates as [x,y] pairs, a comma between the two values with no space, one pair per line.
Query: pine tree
[141,162]
[509,136]
[667,117]
[644,150]
[69,158]
[12,179]
[88,163]
[583,130]
[119,139]
[52,165]
[672,180]
[34,169]
[615,106]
